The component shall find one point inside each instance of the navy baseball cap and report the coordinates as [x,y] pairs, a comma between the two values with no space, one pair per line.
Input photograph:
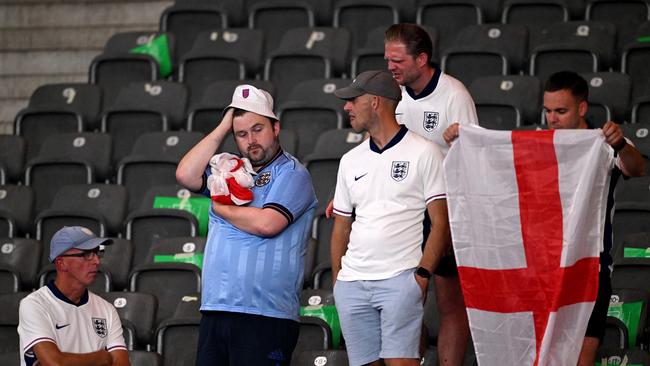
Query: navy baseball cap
[77,237]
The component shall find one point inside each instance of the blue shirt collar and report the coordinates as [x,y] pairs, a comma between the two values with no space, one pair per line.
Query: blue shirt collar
[59,295]
[396,139]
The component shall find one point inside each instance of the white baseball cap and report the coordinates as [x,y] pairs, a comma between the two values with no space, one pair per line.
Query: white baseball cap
[252,99]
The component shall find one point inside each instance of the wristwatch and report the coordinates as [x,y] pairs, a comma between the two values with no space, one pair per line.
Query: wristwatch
[423,272]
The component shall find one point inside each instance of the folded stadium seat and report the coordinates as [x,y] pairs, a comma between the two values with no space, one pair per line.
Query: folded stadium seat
[107,200]
[10,358]
[449,17]
[91,148]
[176,250]
[117,66]
[609,96]
[332,357]
[631,307]
[626,15]
[506,102]
[630,217]
[17,203]
[323,163]
[217,55]
[322,276]
[630,260]
[168,282]
[138,311]
[275,17]
[46,176]
[9,303]
[319,303]
[633,192]
[315,335]
[534,12]
[641,109]
[362,16]
[9,280]
[189,307]
[484,50]
[639,134]
[23,256]
[144,107]
[311,109]
[582,47]
[204,115]
[322,233]
[145,358]
[7,225]
[634,63]
[371,55]
[153,161]
[322,10]
[186,19]
[177,341]
[146,226]
[12,158]
[615,356]
[303,54]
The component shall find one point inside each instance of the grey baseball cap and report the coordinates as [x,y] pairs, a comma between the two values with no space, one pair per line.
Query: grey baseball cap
[375,82]
[77,237]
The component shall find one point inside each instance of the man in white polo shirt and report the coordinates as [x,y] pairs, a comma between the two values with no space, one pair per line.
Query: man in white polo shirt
[65,324]
[383,188]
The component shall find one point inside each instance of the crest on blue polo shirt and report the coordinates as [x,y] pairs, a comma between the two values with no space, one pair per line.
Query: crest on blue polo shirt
[263,179]
[399,170]
[430,121]
[99,325]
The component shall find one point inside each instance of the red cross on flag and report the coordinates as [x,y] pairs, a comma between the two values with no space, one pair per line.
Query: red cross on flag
[527,213]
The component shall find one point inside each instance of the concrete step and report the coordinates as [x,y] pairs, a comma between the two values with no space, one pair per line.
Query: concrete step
[22,86]
[9,108]
[25,15]
[46,62]
[64,38]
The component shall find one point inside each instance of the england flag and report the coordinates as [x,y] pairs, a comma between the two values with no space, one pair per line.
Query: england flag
[527,214]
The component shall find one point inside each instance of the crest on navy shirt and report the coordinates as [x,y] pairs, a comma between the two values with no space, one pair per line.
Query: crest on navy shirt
[400,170]
[99,325]
[263,179]
[430,121]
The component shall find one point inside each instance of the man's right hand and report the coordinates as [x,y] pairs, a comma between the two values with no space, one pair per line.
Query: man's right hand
[329,210]
[451,133]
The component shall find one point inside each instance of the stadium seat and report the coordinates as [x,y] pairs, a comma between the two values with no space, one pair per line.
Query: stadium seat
[117,66]
[168,282]
[630,261]
[615,356]
[18,203]
[634,63]
[117,261]
[534,12]
[641,109]
[322,276]
[35,125]
[448,17]
[362,16]
[315,335]
[609,97]
[323,235]
[627,16]
[9,303]
[189,307]
[506,102]
[179,249]
[275,17]
[9,280]
[138,310]
[46,177]
[7,225]
[219,55]
[616,335]
[91,148]
[141,108]
[187,19]
[24,257]
[206,114]
[10,358]
[177,341]
[631,307]
[315,357]
[303,54]
[639,134]
[103,282]
[311,109]
[145,358]
[12,158]
[633,193]
[323,163]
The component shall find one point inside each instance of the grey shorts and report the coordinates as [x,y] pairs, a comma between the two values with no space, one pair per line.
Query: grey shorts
[380,319]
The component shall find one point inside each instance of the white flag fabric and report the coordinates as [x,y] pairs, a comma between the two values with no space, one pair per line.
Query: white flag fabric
[527,213]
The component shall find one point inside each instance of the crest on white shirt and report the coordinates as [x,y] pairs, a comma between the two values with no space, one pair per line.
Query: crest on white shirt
[399,170]
[430,121]
[99,325]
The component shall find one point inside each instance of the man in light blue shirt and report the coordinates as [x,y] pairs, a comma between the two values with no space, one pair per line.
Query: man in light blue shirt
[253,265]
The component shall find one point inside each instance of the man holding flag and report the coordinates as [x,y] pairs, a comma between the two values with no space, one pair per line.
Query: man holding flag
[564,196]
